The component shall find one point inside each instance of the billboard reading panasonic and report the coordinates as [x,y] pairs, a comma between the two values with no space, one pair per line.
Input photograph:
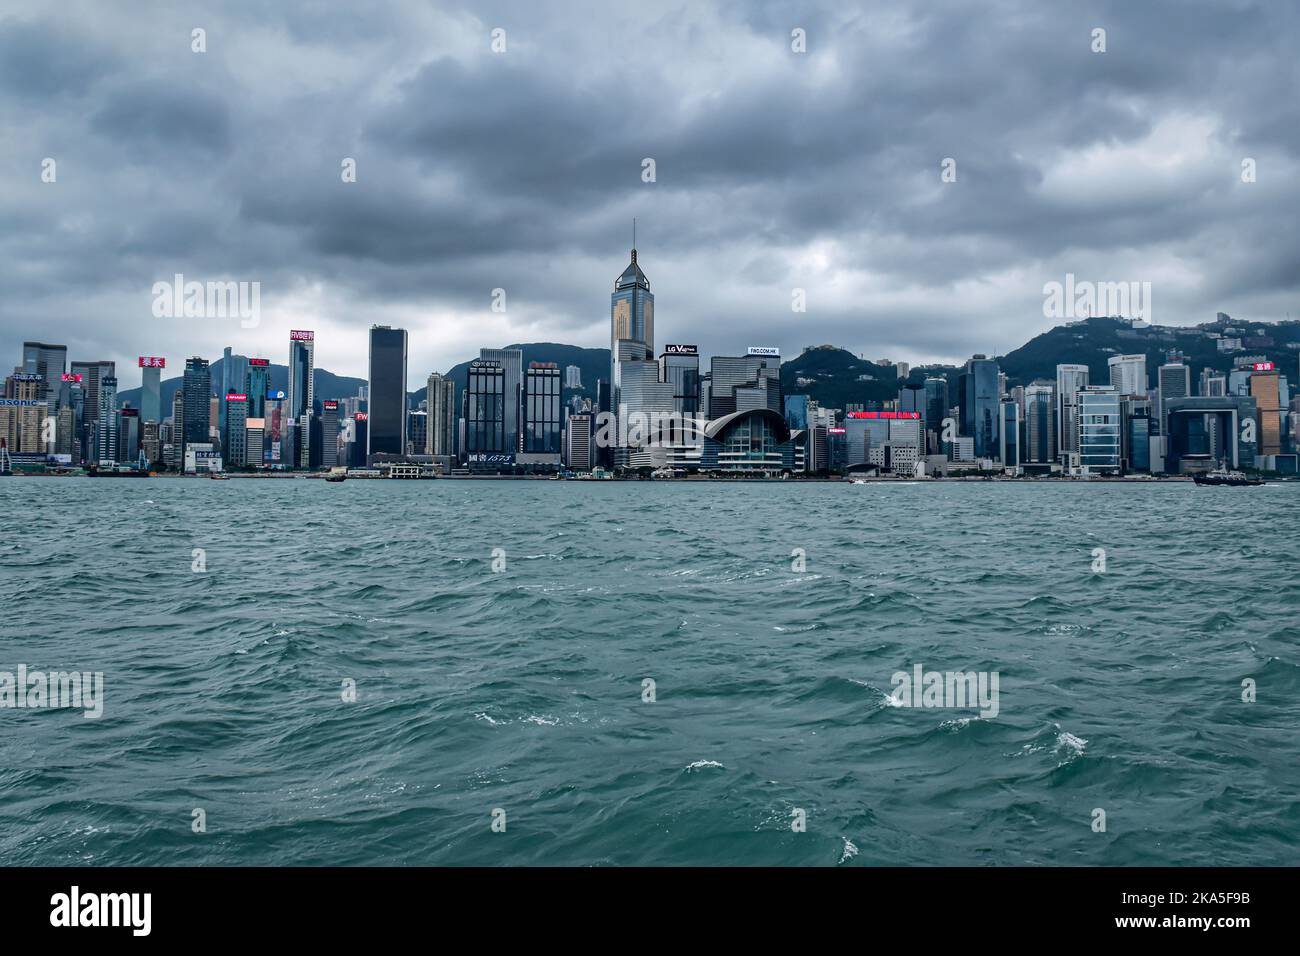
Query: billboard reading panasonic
[764,350]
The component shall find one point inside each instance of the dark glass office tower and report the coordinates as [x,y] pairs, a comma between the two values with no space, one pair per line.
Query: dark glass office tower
[302,364]
[255,385]
[91,374]
[197,389]
[980,397]
[512,366]
[1009,451]
[329,431]
[601,454]
[50,361]
[679,366]
[234,432]
[913,398]
[387,395]
[485,411]
[542,424]
[936,407]
[1040,423]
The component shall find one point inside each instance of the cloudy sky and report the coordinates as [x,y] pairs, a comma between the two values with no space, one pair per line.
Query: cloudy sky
[522,170]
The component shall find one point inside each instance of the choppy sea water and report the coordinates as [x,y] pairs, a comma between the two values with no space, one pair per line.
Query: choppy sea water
[521,690]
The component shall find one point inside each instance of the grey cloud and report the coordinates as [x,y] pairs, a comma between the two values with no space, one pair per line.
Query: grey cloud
[523,170]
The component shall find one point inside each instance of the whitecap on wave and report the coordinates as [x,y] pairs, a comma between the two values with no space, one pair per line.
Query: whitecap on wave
[705,764]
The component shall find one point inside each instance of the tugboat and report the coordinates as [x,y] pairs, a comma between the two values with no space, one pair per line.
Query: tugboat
[1230,479]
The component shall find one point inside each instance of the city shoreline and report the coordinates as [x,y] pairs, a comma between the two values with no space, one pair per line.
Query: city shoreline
[698,479]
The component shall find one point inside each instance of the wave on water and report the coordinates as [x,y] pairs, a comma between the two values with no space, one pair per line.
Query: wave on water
[355,683]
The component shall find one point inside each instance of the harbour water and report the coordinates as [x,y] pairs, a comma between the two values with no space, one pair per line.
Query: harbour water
[500,636]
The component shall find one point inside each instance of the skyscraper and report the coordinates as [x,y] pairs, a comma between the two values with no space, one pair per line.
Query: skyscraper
[387,382]
[1174,380]
[578,443]
[936,409]
[979,400]
[641,396]
[22,413]
[91,374]
[128,436]
[740,382]
[485,412]
[50,361]
[441,397]
[177,430]
[631,331]
[1040,424]
[256,382]
[329,431]
[1009,451]
[234,448]
[197,388]
[297,417]
[151,367]
[302,366]
[1099,429]
[511,362]
[234,370]
[542,422]
[417,431]
[106,420]
[679,366]
[1070,380]
[1265,389]
[254,440]
[1128,373]
[632,307]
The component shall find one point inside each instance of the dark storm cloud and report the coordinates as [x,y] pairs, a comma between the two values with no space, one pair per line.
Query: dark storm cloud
[157,117]
[44,61]
[522,170]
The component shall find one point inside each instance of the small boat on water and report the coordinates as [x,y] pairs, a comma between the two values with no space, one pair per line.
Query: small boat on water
[1228,479]
[117,473]
[218,476]
[339,476]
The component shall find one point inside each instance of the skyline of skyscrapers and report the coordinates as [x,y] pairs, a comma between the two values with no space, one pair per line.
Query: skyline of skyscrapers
[665,410]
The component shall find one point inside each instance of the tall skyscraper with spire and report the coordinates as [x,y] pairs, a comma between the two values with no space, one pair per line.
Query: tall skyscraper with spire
[637,386]
[632,306]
